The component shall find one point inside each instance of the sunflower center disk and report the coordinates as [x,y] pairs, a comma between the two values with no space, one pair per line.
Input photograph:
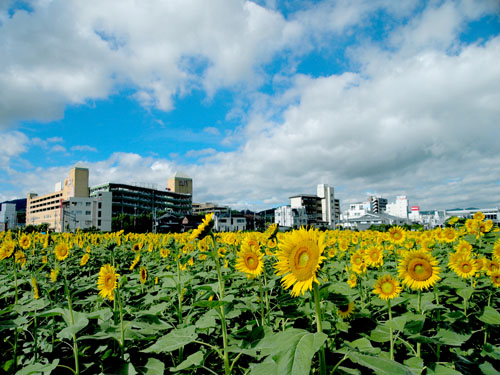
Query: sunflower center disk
[303,258]
[251,262]
[387,288]
[109,282]
[420,270]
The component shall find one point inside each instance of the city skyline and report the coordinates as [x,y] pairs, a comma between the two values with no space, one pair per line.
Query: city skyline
[255,101]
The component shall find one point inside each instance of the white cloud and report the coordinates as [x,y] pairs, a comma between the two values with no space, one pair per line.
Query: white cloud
[419,118]
[211,130]
[58,148]
[83,148]
[67,52]
[14,143]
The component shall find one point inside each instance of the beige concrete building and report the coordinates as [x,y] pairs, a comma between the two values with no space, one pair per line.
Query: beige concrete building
[180,183]
[48,208]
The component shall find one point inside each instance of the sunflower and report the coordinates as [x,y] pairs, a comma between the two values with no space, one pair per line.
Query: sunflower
[449,234]
[61,250]
[397,235]
[7,249]
[465,267]
[135,261]
[20,258]
[479,216]
[345,311]
[137,246]
[107,281]
[44,259]
[419,270]
[495,278]
[143,273]
[299,258]
[496,250]
[353,280]
[374,256]
[249,261]
[358,262]
[271,231]
[491,266]
[25,242]
[204,228]
[463,247]
[164,252]
[35,288]
[53,274]
[85,259]
[387,287]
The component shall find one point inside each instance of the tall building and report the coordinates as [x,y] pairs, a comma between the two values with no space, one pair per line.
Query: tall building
[286,216]
[8,216]
[328,204]
[378,204]
[48,208]
[399,208]
[180,183]
[312,205]
[135,200]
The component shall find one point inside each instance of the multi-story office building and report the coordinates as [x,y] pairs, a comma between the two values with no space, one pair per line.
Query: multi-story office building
[48,208]
[378,204]
[489,213]
[87,212]
[8,217]
[328,207]
[399,208]
[180,183]
[136,200]
[312,205]
[286,216]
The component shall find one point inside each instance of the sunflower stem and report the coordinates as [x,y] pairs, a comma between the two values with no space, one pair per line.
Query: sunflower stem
[15,282]
[419,344]
[319,327]
[486,324]
[70,308]
[122,328]
[262,311]
[227,368]
[391,339]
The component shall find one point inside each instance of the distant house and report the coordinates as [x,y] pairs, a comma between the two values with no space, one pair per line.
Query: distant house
[229,222]
[370,218]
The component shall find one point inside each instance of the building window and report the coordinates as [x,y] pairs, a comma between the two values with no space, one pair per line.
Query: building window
[99,214]
[88,212]
[99,223]
[88,204]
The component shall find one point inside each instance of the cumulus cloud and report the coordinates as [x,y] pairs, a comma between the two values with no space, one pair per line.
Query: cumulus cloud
[418,116]
[14,143]
[68,52]
[83,148]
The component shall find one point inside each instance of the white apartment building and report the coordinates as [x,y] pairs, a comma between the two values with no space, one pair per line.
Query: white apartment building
[287,216]
[399,208]
[229,223]
[357,210]
[8,217]
[328,208]
[489,213]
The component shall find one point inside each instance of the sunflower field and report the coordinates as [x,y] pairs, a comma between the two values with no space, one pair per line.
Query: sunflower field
[300,302]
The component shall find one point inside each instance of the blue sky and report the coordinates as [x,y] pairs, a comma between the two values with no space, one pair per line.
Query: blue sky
[256,101]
